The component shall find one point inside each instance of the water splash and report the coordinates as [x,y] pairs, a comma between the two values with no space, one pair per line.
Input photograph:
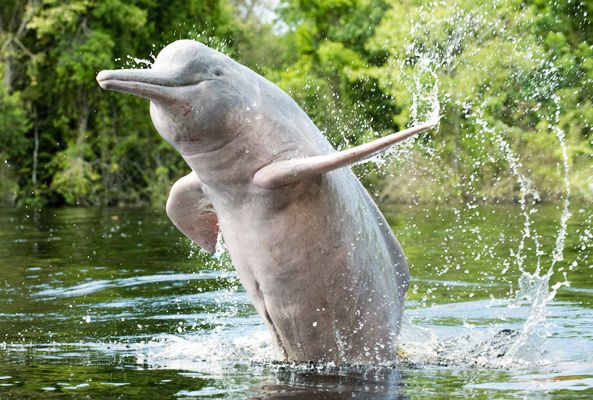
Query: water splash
[210,353]
[534,287]
[558,254]
[425,97]
[136,63]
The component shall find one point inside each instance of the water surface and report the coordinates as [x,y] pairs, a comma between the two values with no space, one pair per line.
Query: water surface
[113,303]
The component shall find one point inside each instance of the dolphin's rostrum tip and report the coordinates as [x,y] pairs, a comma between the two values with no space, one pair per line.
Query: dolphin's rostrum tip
[102,77]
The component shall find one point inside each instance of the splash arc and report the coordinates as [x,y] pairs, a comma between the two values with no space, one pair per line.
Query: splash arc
[314,253]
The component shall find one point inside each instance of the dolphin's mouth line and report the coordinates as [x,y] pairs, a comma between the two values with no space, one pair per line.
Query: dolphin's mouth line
[123,82]
[152,91]
[147,90]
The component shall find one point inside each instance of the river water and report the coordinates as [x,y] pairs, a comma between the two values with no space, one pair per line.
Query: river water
[115,303]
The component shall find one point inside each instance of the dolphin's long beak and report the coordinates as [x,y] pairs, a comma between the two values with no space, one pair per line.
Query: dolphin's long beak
[154,85]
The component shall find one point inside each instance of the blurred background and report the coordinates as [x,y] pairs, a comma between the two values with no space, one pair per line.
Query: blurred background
[357,67]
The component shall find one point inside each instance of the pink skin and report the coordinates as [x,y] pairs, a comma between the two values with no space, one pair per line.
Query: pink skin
[310,246]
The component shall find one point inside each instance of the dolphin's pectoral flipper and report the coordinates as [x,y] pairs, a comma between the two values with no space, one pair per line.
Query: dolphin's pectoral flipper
[192,213]
[284,172]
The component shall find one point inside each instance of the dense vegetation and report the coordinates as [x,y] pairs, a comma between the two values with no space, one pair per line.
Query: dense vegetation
[511,78]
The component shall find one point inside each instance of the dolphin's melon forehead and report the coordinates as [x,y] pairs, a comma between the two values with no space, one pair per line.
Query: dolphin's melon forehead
[182,51]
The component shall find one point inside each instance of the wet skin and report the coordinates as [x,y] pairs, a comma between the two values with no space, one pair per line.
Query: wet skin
[311,248]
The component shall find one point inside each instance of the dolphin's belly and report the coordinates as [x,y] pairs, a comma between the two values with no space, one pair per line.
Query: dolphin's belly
[323,269]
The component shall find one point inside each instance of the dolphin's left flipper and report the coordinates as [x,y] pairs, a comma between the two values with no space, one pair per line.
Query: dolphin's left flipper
[285,172]
[192,213]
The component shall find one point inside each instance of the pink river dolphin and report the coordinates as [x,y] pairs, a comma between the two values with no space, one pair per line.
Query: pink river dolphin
[311,248]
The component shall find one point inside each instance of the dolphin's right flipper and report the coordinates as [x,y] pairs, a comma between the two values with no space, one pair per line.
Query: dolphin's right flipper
[284,172]
[192,213]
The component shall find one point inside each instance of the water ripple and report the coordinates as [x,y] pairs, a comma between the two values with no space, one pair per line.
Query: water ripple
[94,286]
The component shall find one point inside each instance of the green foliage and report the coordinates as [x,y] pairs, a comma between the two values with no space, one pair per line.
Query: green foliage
[326,78]
[506,73]
[74,178]
[93,147]
[14,124]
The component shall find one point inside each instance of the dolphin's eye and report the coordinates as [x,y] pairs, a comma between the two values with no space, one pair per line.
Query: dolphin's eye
[218,72]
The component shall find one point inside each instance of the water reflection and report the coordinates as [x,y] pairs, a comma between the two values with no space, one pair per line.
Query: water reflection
[334,383]
[105,303]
